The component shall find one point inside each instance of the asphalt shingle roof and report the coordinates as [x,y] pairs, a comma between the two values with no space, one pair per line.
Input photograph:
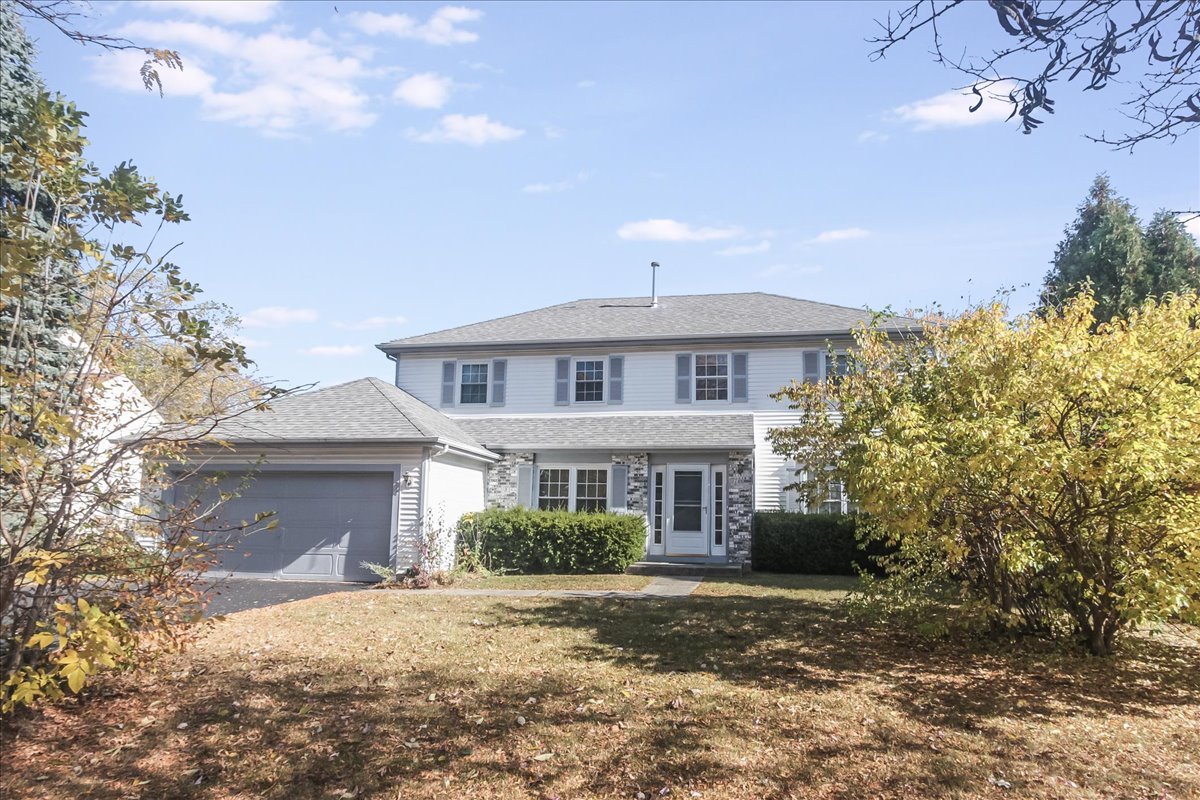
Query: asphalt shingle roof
[620,431]
[749,314]
[368,409]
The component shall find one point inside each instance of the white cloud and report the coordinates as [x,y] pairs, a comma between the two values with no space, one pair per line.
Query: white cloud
[745,249]
[557,186]
[778,270]
[371,323]
[872,136]
[275,83]
[441,28]
[553,132]
[953,109]
[333,350]
[586,84]
[668,230]
[227,11]
[424,90]
[477,129]
[278,317]
[840,235]
[1191,222]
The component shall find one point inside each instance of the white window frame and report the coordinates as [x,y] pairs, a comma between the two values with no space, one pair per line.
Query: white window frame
[487,384]
[728,376]
[719,509]
[573,475]
[829,356]
[658,497]
[603,379]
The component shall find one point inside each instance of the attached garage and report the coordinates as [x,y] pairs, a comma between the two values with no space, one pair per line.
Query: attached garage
[348,474]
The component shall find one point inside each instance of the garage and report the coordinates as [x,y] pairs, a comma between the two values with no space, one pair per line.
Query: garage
[327,524]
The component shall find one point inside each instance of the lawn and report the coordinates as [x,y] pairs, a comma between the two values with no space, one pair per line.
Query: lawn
[624,583]
[756,688]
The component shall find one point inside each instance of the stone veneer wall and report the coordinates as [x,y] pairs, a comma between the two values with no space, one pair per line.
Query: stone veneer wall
[502,479]
[637,485]
[740,506]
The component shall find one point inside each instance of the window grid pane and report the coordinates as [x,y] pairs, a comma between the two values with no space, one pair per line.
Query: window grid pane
[658,507]
[719,508]
[474,383]
[554,489]
[712,377]
[591,490]
[589,381]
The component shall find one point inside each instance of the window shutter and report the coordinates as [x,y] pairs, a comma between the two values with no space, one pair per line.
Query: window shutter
[499,376]
[683,378]
[448,368]
[741,378]
[620,487]
[616,379]
[562,381]
[525,486]
[812,366]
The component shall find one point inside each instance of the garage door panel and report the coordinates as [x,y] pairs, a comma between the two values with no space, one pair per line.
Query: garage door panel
[325,524]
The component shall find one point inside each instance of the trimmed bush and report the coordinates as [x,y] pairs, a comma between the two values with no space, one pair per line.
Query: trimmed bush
[811,544]
[525,541]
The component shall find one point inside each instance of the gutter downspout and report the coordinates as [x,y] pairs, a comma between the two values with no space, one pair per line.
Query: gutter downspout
[396,360]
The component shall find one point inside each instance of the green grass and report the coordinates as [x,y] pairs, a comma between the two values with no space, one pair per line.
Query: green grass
[631,583]
[764,691]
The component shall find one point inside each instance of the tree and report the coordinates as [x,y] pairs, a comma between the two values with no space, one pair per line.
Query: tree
[1172,258]
[1041,474]
[1093,40]
[83,454]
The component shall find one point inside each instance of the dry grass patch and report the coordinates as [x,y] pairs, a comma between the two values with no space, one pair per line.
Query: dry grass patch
[625,583]
[757,694]
[817,588]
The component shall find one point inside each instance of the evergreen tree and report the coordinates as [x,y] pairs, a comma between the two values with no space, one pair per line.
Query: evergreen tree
[1105,247]
[1172,258]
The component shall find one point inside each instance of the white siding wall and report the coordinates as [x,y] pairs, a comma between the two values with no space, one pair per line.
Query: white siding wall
[453,486]
[771,471]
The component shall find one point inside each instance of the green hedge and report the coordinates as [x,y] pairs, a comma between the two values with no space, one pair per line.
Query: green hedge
[524,541]
[811,544]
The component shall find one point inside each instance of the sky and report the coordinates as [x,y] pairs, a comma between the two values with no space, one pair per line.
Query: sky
[359,172]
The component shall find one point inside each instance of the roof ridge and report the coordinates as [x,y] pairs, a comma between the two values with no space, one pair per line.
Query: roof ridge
[480,322]
[372,380]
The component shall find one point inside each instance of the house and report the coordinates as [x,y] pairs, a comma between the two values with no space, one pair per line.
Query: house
[651,406]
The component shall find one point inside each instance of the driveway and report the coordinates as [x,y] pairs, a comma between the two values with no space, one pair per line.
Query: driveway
[230,595]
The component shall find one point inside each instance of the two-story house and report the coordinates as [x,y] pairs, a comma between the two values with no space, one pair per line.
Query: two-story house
[650,406]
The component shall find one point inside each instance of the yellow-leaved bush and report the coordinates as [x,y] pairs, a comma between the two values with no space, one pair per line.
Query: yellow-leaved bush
[1045,473]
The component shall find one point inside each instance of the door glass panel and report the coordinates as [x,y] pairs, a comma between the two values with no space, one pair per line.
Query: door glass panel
[688,487]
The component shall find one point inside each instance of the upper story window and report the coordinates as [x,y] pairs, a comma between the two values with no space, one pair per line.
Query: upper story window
[712,376]
[473,386]
[589,380]
[837,366]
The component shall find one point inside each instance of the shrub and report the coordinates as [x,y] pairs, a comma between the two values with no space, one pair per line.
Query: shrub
[525,541]
[813,544]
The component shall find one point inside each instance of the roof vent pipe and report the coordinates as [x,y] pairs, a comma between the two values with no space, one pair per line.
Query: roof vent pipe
[654,284]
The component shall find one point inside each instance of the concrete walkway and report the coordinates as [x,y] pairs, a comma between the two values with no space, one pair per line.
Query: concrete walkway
[661,586]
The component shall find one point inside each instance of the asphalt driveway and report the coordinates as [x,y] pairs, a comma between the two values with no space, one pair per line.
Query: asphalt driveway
[230,595]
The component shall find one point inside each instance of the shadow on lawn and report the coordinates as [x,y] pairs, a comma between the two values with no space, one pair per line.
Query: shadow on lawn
[787,644]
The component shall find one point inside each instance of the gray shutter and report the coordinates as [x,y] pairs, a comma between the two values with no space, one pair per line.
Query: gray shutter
[616,379]
[499,376]
[683,378]
[620,488]
[525,486]
[741,377]
[812,366]
[562,381]
[448,368]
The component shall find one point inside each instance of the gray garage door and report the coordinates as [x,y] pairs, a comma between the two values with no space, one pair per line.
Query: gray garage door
[328,524]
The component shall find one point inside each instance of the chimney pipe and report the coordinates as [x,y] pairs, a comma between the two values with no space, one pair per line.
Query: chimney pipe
[654,284]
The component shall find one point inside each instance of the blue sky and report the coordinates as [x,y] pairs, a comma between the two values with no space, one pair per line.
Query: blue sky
[385,169]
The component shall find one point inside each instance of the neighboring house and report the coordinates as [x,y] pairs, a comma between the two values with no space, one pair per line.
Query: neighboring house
[652,407]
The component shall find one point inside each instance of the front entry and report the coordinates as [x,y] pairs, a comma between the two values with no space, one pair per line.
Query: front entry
[687,523]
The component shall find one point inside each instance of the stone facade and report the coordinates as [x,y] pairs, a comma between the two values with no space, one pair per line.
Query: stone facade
[502,479]
[740,506]
[638,483]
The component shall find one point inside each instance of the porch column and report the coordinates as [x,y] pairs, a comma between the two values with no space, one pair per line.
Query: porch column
[502,479]
[637,484]
[740,506]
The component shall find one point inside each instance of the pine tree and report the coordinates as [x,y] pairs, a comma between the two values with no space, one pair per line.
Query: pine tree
[1172,258]
[1103,246]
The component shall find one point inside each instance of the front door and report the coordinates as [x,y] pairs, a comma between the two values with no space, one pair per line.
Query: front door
[687,525]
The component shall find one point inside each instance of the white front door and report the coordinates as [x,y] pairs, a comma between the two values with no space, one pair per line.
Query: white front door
[687,503]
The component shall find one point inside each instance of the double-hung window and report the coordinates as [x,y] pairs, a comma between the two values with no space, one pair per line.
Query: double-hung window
[473,385]
[572,489]
[589,380]
[712,376]
[837,366]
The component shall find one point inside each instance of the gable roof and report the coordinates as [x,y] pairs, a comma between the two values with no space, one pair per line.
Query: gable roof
[365,410]
[747,315]
[615,432]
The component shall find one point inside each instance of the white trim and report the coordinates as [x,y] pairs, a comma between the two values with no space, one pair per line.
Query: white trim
[720,515]
[669,509]
[572,480]
[487,383]
[603,360]
[654,494]
[728,376]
